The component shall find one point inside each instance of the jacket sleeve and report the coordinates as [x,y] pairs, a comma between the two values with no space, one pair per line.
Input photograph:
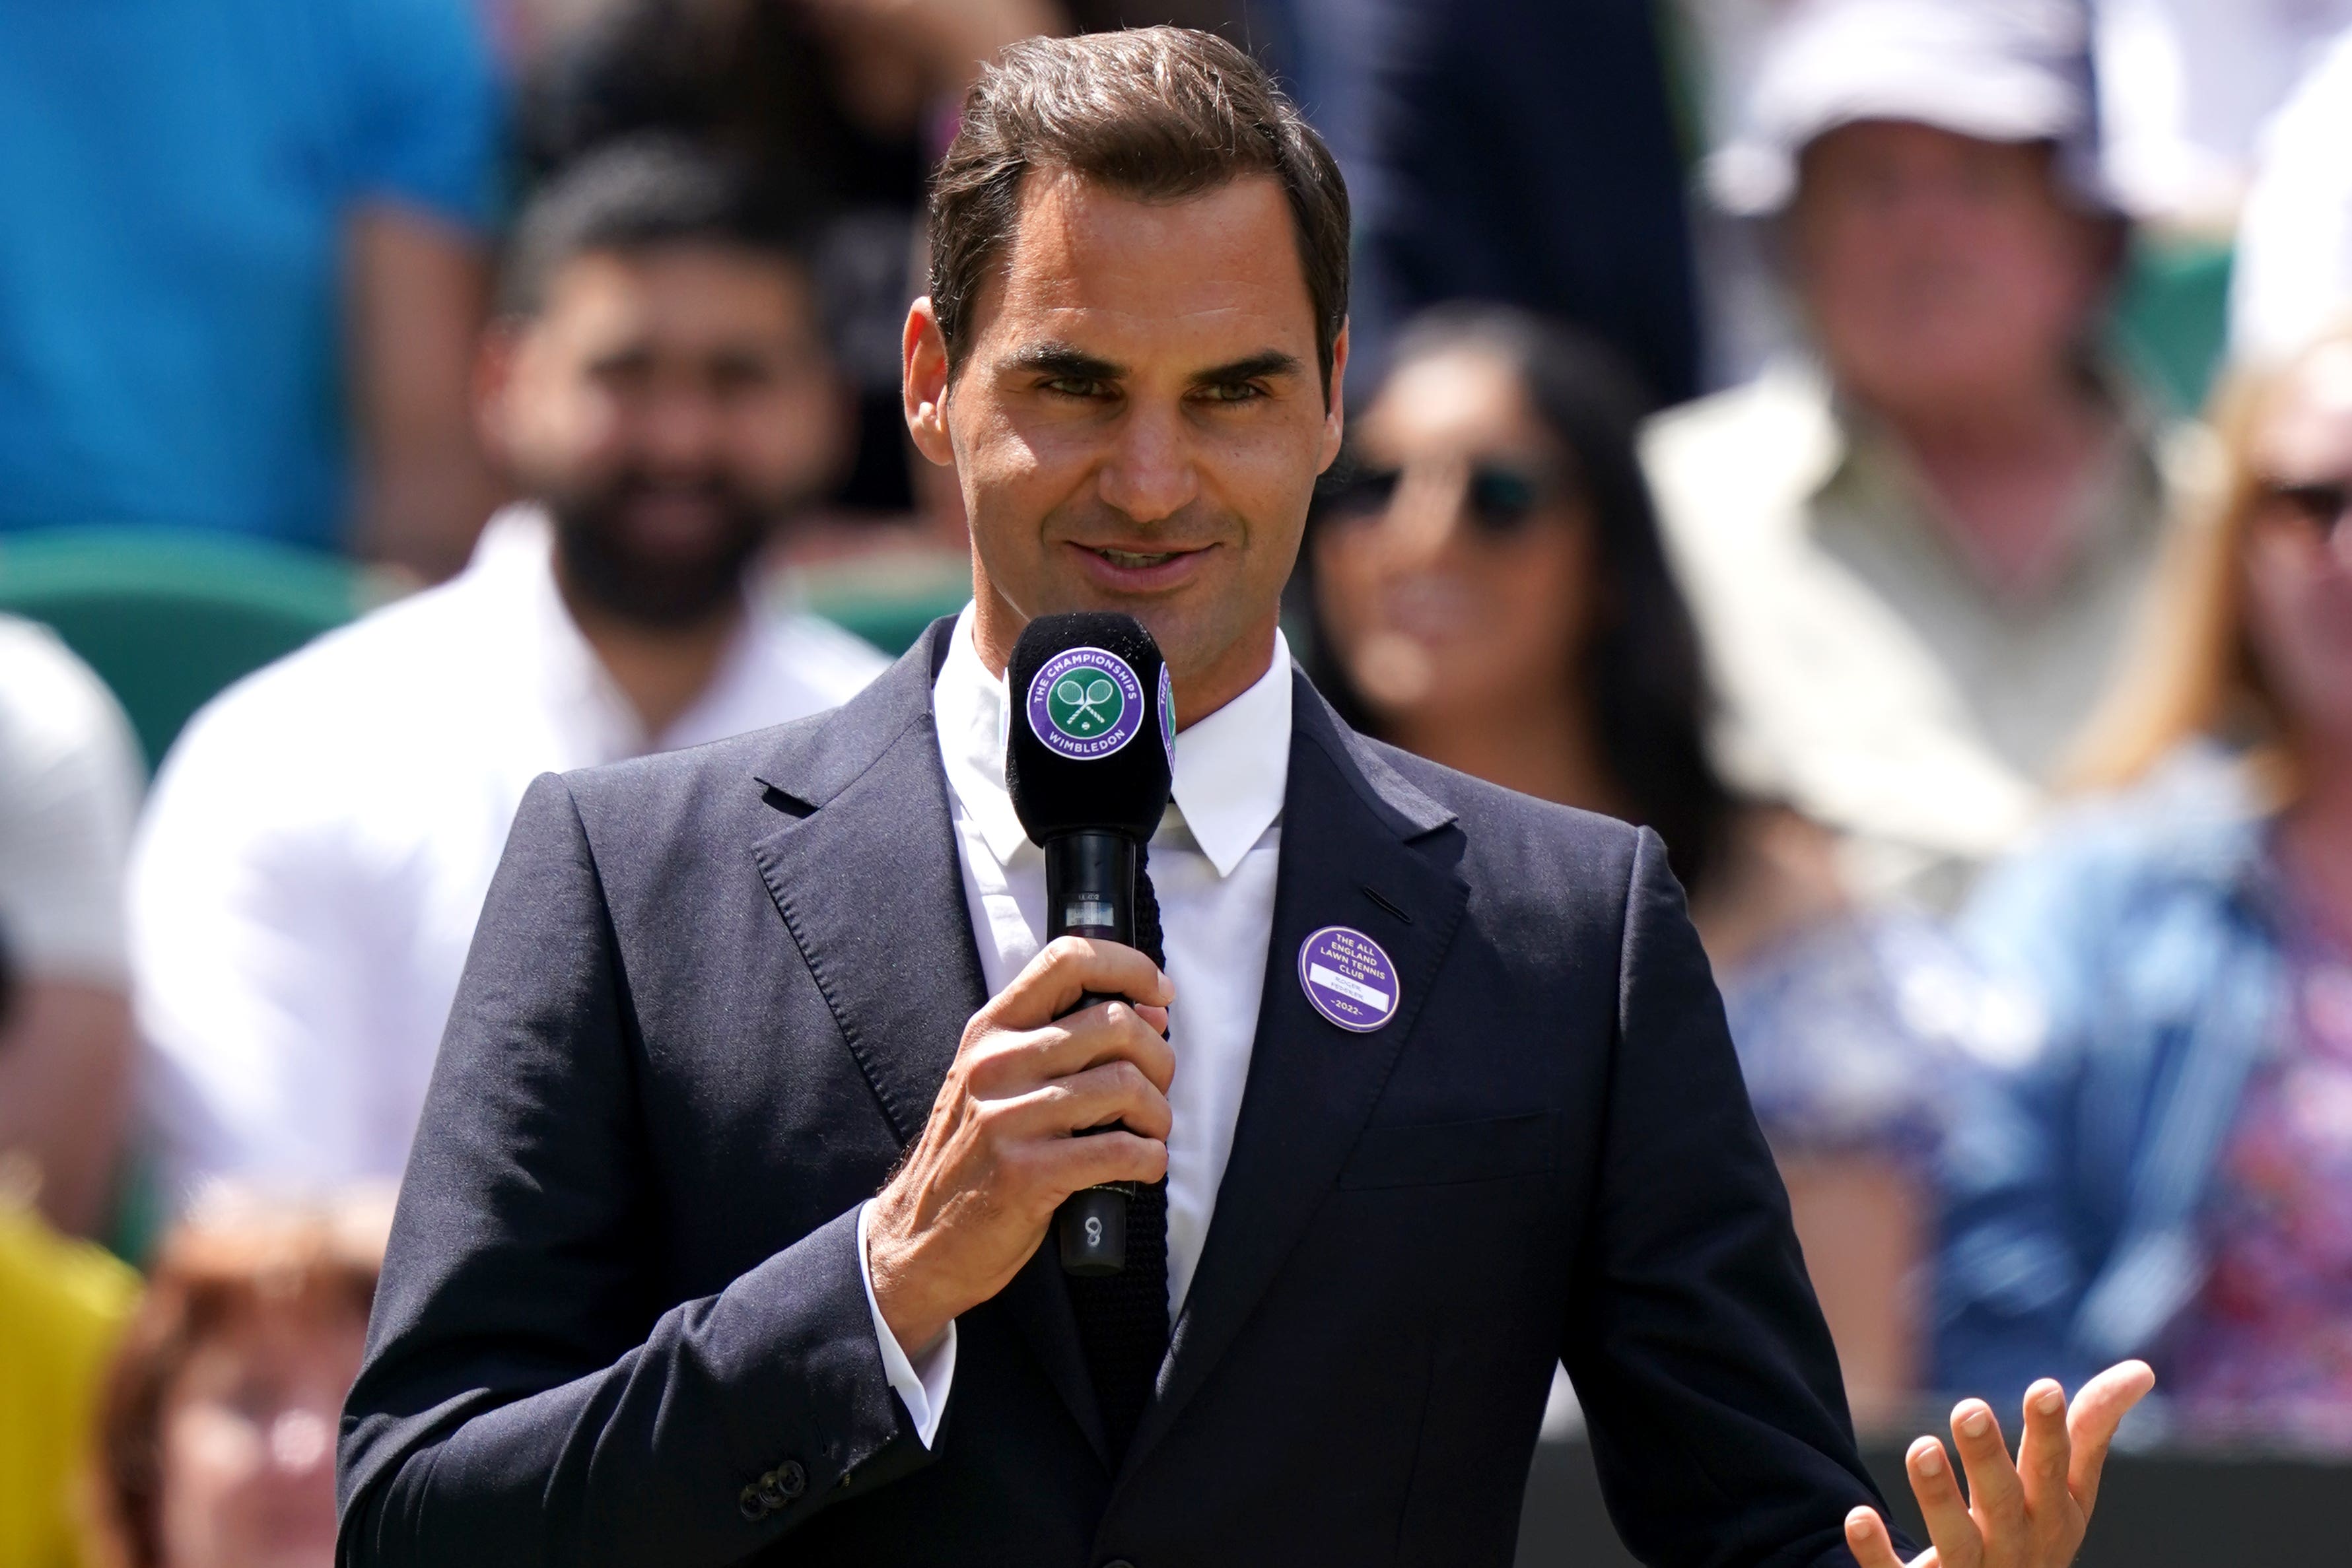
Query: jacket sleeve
[1718,1421]
[523,1399]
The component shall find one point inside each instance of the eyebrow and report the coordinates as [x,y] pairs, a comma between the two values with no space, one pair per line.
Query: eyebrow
[1270,362]
[1063,359]
[1055,359]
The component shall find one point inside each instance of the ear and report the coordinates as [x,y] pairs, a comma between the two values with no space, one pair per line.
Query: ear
[1335,411]
[495,369]
[923,387]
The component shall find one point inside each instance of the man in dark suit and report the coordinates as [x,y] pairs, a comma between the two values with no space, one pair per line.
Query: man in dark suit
[720,1240]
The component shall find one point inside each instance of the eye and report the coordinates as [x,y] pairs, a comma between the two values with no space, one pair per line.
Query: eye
[1233,392]
[622,372]
[741,374]
[2322,506]
[1077,386]
[1358,496]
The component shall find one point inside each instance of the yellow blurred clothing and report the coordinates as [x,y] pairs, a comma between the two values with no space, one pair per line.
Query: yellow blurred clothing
[62,1302]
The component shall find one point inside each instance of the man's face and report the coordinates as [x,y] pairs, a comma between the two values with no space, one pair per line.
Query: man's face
[1938,270]
[670,406]
[1138,421]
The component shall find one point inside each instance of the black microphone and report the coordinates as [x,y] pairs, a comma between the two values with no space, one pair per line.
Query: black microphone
[1091,752]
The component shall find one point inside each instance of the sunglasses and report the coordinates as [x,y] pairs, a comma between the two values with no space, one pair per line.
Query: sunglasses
[2321,504]
[1500,499]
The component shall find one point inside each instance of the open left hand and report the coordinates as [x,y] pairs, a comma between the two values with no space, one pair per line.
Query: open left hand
[2029,1514]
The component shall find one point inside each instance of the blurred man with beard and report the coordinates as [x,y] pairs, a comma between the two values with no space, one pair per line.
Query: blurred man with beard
[321,837]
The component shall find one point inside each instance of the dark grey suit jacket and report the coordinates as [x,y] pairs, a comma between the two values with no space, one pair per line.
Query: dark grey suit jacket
[712,997]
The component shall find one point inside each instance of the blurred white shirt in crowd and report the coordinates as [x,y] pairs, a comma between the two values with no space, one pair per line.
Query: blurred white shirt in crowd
[2186,87]
[1871,677]
[2294,278]
[69,783]
[305,884]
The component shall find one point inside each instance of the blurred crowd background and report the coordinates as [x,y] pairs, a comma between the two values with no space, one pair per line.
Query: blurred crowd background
[1900,449]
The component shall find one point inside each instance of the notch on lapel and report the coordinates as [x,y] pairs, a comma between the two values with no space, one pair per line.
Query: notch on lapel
[870,886]
[1348,821]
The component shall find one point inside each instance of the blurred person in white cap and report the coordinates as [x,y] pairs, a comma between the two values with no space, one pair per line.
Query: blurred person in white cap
[304,886]
[1915,551]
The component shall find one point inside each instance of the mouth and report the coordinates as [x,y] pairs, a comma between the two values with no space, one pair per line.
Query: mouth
[674,518]
[1130,570]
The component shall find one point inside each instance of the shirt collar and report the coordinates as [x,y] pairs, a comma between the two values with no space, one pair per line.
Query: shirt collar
[2121,508]
[1232,768]
[1830,430]
[515,558]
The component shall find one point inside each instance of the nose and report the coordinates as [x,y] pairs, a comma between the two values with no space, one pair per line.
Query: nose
[681,429]
[1149,473]
[2339,526]
[1424,517]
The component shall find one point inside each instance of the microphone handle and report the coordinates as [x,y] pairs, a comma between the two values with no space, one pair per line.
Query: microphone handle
[1090,892]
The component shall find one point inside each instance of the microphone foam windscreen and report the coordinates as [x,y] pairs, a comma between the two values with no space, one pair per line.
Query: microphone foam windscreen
[1093,736]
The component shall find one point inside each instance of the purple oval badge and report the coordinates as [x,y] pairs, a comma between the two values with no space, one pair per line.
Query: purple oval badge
[1086,704]
[1349,979]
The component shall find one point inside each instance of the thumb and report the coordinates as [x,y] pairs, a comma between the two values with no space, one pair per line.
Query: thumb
[2092,1420]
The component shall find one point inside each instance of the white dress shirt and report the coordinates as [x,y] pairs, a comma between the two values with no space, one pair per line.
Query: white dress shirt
[1213,866]
[318,844]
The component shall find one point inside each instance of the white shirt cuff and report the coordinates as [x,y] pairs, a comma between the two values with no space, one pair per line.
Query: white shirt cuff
[922,1389]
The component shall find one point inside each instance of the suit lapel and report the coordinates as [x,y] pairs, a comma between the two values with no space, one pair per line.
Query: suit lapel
[1349,824]
[868,882]
[865,873]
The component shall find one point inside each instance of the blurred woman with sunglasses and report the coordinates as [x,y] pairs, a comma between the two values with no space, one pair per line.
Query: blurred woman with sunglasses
[1485,586]
[2170,1176]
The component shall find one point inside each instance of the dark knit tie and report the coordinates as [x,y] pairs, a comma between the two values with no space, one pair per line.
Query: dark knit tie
[1123,1317]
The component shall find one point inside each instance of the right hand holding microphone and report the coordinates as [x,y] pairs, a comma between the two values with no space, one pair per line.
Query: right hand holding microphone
[974,1196]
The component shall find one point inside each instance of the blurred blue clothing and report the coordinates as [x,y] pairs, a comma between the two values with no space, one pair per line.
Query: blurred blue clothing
[2075,1184]
[176,178]
[1854,1034]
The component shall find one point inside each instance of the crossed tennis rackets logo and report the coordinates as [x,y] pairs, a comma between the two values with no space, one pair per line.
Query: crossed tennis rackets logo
[1080,705]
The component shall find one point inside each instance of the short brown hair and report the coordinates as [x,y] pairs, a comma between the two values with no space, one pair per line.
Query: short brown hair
[1157,114]
[317,1260]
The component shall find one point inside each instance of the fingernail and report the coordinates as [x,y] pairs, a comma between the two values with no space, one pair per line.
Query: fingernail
[1931,1461]
[2051,1402]
[1974,1423]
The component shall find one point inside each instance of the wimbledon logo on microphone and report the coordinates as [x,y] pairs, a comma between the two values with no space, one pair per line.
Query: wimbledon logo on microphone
[1086,704]
[1168,717]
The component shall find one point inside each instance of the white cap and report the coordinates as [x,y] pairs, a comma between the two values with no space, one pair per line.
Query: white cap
[1998,70]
